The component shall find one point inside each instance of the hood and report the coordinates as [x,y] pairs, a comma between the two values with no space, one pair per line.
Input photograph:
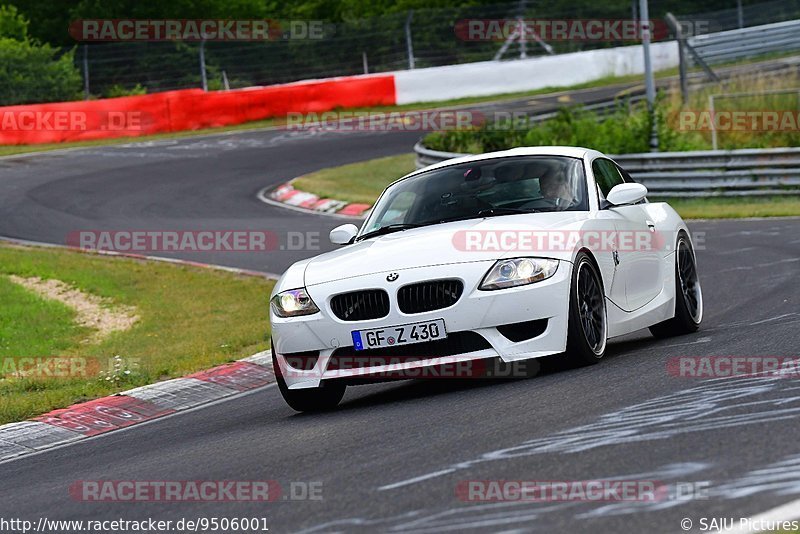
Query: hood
[438,244]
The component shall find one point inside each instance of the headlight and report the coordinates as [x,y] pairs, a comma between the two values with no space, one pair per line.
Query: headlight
[293,303]
[518,272]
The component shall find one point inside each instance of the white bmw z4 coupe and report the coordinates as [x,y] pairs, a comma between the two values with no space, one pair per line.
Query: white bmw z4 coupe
[501,257]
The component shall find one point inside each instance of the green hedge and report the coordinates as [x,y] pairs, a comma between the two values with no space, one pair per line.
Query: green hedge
[29,71]
[625,130]
[32,73]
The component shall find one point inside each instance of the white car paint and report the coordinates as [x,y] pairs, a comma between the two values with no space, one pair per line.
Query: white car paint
[639,288]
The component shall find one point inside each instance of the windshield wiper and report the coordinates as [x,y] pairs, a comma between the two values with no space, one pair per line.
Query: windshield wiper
[388,229]
[489,212]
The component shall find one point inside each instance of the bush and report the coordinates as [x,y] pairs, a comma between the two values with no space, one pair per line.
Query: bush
[29,71]
[625,130]
[12,24]
[118,90]
[32,73]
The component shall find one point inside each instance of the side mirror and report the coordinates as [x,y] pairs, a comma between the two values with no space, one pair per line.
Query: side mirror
[344,234]
[624,194]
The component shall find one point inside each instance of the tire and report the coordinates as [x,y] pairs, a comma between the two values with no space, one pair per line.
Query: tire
[688,294]
[323,398]
[587,331]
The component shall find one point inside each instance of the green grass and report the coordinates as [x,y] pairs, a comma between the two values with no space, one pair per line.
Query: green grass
[357,182]
[189,319]
[735,208]
[364,181]
[33,326]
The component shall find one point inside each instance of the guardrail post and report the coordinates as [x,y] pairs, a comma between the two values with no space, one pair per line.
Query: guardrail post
[86,72]
[409,44]
[700,61]
[713,122]
[650,85]
[676,27]
[740,13]
[203,63]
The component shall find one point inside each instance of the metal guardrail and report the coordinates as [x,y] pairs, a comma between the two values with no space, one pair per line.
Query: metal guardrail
[426,156]
[768,171]
[743,43]
[600,109]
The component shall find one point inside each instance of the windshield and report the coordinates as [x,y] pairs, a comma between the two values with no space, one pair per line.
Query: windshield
[502,186]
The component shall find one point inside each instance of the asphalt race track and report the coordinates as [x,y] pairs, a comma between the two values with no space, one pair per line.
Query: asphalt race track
[210,182]
[191,184]
[390,459]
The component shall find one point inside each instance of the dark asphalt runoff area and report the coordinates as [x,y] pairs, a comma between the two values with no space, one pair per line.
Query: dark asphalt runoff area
[392,457]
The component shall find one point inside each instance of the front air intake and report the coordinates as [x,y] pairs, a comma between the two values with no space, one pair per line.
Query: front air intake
[429,296]
[361,305]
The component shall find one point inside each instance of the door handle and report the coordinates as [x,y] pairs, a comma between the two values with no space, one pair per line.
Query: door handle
[651,225]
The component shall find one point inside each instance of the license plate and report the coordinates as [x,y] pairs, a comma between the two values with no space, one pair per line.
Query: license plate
[391,336]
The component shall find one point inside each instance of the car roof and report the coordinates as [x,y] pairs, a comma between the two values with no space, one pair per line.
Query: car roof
[567,151]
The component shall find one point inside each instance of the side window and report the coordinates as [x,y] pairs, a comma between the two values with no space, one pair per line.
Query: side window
[625,175]
[606,174]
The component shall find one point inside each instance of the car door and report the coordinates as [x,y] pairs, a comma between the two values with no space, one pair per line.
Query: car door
[636,251]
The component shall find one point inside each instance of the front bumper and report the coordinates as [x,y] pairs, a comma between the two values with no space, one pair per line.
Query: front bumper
[479,312]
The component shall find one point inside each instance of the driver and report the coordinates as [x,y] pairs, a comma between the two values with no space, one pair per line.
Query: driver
[555,187]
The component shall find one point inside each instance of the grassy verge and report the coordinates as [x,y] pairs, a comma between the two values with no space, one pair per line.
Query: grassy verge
[189,319]
[10,150]
[364,181]
[357,182]
[736,208]
[31,325]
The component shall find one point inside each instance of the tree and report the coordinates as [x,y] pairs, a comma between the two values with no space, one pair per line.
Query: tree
[12,24]
[30,71]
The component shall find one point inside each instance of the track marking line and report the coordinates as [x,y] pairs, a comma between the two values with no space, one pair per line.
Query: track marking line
[696,342]
[773,319]
[415,480]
